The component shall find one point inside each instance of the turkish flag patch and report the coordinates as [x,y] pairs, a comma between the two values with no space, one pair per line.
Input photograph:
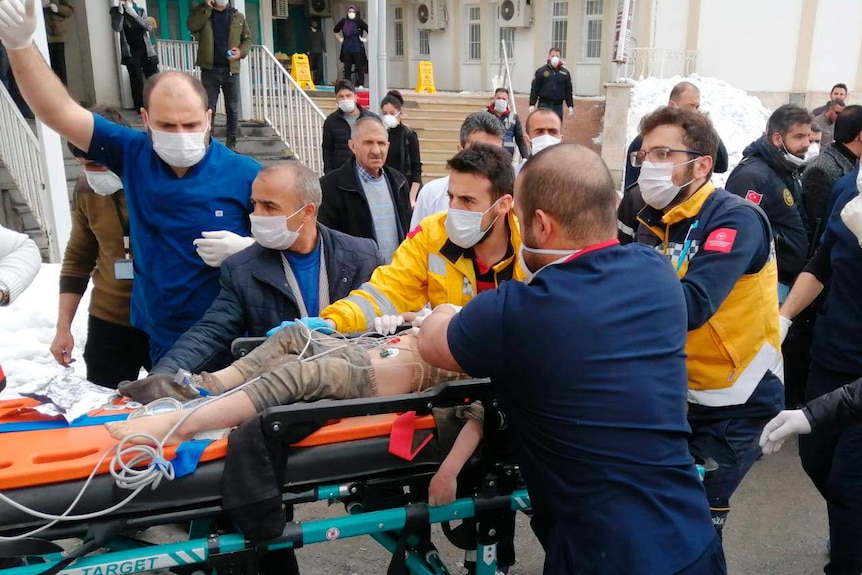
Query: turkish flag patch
[720,240]
[753,197]
[413,232]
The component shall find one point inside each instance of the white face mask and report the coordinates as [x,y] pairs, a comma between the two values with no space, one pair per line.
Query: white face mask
[272,232]
[791,159]
[813,152]
[656,183]
[464,227]
[566,254]
[347,106]
[544,141]
[221,3]
[351,15]
[390,121]
[179,149]
[104,183]
[501,105]
[555,61]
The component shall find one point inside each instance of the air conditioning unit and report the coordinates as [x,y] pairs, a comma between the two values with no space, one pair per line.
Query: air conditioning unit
[321,8]
[515,14]
[280,9]
[431,15]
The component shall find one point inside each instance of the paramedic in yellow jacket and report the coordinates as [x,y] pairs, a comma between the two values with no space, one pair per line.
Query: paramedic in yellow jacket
[721,247]
[449,257]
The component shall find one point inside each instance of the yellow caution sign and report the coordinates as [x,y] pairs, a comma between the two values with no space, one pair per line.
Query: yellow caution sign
[301,71]
[426,78]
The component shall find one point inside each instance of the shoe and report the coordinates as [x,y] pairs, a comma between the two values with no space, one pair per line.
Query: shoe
[231,143]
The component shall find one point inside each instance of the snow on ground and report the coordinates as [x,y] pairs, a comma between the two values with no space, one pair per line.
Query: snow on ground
[27,330]
[738,118]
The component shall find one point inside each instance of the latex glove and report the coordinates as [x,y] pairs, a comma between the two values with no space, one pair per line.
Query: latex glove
[417,321]
[364,39]
[61,347]
[783,326]
[317,324]
[571,111]
[851,215]
[341,40]
[782,426]
[532,109]
[215,247]
[53,7]
[387,324]
[17,23]
[441,490]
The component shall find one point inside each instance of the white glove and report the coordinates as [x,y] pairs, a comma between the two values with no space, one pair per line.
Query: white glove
[17,23]
[387,324]
[215,247]
[363,39]
[341,39]
[851,215]
[417,321]
[571,111]
[781,427]
[532,109]
[54,8]
[783,326]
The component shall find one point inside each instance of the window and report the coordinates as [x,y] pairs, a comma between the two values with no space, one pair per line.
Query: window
[398,32]
[474,33]
[560,25]
[501,35]
[424,44]
[592,45]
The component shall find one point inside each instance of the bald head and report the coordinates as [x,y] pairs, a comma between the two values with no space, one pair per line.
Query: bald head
[174,85]
[570,184]
[685,95]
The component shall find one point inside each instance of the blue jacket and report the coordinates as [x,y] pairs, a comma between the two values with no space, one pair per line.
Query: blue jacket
[254,297]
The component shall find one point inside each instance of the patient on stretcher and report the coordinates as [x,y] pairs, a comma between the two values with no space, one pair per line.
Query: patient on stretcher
[293,365]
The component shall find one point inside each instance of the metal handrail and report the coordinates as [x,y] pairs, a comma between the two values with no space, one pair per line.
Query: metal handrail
[276,98]
[21,154]
[279,101]
[659,63]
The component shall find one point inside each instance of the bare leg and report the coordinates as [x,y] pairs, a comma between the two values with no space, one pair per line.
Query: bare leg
[228,411]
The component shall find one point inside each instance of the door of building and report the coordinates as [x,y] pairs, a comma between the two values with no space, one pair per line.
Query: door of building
[171,16]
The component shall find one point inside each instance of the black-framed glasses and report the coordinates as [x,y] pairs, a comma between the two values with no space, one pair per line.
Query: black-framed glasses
[656,155]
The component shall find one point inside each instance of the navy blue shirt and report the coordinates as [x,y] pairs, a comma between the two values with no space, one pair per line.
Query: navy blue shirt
[173,287]
[306,268]
[589,367]
[221,29]
[837,343]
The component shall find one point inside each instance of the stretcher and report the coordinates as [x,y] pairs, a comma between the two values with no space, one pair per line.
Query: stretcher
[349,458]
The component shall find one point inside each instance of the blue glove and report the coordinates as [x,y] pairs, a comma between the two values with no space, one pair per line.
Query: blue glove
[317,324]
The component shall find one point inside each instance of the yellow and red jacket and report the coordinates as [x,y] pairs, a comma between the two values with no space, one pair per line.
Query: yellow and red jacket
[426,268]
[721,247]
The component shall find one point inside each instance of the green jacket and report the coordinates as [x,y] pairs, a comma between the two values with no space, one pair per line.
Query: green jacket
[200,26]
[55,22]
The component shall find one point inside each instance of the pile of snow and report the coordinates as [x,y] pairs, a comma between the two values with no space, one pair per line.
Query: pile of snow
[28,327]
[738,118]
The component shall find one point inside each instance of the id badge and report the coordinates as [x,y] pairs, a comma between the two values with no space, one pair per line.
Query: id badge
[124,270]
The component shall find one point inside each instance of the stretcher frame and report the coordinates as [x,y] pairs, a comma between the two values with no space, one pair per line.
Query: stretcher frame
[397,528]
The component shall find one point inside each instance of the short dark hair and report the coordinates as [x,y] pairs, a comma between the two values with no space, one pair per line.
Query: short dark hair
[698,134]
[344,85]
[555,49]
[156,79]
[501,89]
[848,124]
[581,197]
[110,114]
[539,112]
[393,98]
[836,102]
[839,85]
[492,162]
[785,117]
[481,121]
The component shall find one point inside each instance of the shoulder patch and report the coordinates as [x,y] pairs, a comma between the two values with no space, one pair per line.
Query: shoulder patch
[754,197]
[720,240]
[788,197]
[547,74]
[414,231]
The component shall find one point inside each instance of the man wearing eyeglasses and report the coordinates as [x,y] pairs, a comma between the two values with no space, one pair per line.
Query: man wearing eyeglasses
[720,246]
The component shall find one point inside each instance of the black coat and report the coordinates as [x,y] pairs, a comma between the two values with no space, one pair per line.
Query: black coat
[254,297]
[345,207]
[837,409]
[336,133]
[765,178]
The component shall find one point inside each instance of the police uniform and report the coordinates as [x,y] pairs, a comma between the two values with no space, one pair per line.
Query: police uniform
[721,248]
[551,87]
[426,268]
